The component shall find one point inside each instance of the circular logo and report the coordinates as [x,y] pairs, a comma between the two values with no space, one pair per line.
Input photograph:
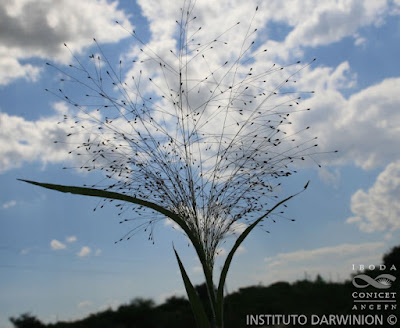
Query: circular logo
[392,320]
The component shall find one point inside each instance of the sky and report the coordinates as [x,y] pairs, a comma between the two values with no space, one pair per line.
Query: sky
[58,259]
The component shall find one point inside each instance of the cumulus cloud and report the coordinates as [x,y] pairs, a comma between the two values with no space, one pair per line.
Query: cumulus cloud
[85,251]
[12,69]
[378,208]
[23,141]
[315,22]
[309,22]
[32,28]
[57,245]
[330,177]
[9,204]
[359,41]
[364,127]
[367,118]
[312,23]
[326,22]
[71,239]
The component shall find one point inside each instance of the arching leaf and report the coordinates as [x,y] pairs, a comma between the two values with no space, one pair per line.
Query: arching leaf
[197,307]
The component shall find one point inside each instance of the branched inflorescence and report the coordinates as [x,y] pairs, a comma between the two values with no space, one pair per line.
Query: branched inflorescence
[204,136]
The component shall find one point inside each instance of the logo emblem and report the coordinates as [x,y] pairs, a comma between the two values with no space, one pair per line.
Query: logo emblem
[383,281]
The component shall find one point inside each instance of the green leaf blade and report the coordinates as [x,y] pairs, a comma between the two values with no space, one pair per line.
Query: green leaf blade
[197,307]
[245,233]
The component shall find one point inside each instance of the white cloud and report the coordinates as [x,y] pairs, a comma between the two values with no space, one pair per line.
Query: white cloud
[314,22]
[325,22]
[98,252]
[331,262]
[336,120]
[241,250]
[56,245]
[327,79]
[238,227]
[9,204]
[364,128]
[341,251]
[360,41]
[28,141]
[85,251]
[330,177]
[378,209]
[84,304]
[169,222]
[22,140]
[12,69]
[71,239]
[32,28]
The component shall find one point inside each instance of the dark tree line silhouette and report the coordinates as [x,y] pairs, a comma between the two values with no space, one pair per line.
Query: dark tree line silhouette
[305,297]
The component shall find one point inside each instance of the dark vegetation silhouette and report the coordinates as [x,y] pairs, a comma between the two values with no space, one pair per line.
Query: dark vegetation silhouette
[26,320]
[304,297]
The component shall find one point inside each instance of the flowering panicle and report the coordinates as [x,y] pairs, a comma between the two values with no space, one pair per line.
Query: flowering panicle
[199,129]
[202,135]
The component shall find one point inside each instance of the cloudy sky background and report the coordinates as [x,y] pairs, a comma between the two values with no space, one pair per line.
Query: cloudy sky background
[58,258]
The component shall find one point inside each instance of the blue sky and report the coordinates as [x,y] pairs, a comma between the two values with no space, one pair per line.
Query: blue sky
[58,257]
